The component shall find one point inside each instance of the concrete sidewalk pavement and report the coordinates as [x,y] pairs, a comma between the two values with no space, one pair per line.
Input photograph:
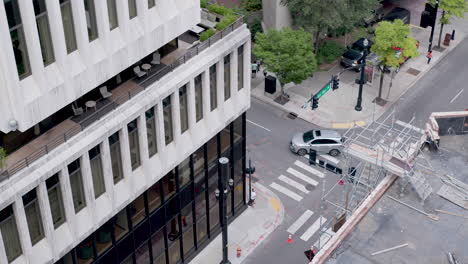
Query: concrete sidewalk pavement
[336,108]
[248,230]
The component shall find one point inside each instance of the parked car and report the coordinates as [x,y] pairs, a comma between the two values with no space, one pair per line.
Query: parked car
[322,141]
[398,13]
[375,16]
[354,55]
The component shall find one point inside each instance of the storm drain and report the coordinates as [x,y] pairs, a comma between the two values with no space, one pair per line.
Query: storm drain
[413,71]
[292,115]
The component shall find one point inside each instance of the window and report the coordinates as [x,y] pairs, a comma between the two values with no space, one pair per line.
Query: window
[76,182]
[68,25]
[116,157]
[240,67]
[121,225]
[33,216]
[134,145]
[323,141]
[97,171]
[308,136]
[169,185]
[198,98]
[112,11]
[10,234]
[187,228]
[157,242]
[91,20]
[184,172]
[17,38]
[55,200]
[154,197]
[42,21]
[137,210]
[183,109]
[227,77]
[132,8]
[167,120]
[151,131]
[151,3]
[213,88]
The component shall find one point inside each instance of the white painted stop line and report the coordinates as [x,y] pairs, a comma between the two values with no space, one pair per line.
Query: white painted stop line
[286,191]
[302,176]
[293,183]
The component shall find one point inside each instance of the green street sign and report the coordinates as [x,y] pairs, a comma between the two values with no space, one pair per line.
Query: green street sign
[323,91]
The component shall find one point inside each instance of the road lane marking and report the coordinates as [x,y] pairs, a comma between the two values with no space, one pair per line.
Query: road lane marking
[300,222]
[302,176]
[330,158]
[313,228]
[275,204]
[286,191]
[293,183]
[309,169]
[255,124]
[404,124]
[458,94]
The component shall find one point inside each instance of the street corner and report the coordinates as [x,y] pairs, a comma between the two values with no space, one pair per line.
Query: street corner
[345,125]
[274,203]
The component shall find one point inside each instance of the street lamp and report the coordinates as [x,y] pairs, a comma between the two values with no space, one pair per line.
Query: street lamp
[429,49]
[250,170]
[361,81]
[226,187]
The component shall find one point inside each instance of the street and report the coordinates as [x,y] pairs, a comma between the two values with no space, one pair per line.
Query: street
[269,132]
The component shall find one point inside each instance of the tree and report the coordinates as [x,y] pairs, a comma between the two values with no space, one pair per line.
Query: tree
[287,53]
[393,44]
[319,16]
[449,8]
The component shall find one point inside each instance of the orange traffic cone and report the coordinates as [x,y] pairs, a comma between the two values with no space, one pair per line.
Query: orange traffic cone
[290,240]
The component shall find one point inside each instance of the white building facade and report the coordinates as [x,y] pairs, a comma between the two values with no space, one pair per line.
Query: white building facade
[105,165]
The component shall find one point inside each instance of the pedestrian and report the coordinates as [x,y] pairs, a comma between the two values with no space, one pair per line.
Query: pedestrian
[429,56]
[254,70]
[253,195]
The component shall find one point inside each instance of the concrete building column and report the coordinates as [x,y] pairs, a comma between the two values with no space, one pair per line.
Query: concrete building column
[160,135]
[191,104]
[143,139]
[175,103]
[81,30]
[107,168]
[247,66]
[46,215]
[102,20]
[67,197]
[125,151]
[220,82]
[206,93]
[234,72]
[56,31]
[88,185]
[22,226]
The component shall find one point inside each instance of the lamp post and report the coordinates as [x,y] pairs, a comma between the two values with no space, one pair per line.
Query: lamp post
[225,188]
[361,81]
[250,170]
[429,49]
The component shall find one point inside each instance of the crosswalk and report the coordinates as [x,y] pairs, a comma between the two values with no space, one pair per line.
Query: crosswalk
[310,226]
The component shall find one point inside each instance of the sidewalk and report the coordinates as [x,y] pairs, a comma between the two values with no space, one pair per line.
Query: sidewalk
[248,230]
[336,108]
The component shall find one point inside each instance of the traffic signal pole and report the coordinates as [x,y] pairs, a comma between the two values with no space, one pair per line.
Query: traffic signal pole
[332,84]
[429,49]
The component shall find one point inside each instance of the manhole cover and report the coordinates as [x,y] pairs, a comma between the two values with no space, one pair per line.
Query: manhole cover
[413,71]
[292,115]
[309,187]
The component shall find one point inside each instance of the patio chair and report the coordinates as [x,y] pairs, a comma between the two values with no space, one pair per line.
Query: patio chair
[105,94]
[138,72]
[77,110]
[156,58]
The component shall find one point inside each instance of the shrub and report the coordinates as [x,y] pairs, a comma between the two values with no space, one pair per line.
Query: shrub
[255,27]
[329,51]
[203,3]
[226,21]
[252,5]
[2,158]
[220,10]
[207,34]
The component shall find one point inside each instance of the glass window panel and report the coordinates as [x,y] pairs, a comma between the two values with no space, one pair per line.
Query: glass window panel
[132,8]
[183,108]
[97,171]
[225,142]
[45,40]
[173,230]
[227,77]
[76,183]
[91,19]
[154,197]
[169,185]
[128,260]
[33,216]
[104,237]
[212,151]
[157,219]
[84,251]
[142,254]
[184,172]
[199,170]
[10,234]
[168,134]
[17,38]
[187,228]
[116,157]
[174,247]
[151,131]
[137,210]
[112,11]
[213,201]
[141,233]
[125,249]
[134,144]
[55,199]
[68,25]
[240,67]
[120,225]
[200,205]
[198,97]
[151,3]
[201,229]
[213,88]
[157,243]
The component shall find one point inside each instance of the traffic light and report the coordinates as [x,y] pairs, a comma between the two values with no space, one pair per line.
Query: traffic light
[314,103]
[335,82]
[428,16]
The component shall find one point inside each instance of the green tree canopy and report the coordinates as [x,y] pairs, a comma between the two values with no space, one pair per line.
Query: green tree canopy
[287,53]
[394,35]
[452,8]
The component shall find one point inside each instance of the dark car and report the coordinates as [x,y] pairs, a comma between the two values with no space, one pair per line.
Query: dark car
[398,13]
[354,55]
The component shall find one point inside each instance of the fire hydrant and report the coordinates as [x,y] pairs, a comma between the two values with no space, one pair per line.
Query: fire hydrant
[239,251]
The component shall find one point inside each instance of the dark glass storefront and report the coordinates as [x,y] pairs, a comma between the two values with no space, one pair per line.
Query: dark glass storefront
[178,215]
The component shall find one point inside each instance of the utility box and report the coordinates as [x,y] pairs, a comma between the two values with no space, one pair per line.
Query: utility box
[270,84]
[447,38]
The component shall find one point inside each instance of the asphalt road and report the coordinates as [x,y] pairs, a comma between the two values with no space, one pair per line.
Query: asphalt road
[269,131]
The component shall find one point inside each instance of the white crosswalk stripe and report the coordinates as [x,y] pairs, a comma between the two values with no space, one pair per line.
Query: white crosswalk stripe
[293,183]
[309,169]
[286,191]
[300,222]
[302,176]
[313,228]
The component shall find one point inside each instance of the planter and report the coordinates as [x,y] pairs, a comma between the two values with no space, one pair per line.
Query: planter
[85,251]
